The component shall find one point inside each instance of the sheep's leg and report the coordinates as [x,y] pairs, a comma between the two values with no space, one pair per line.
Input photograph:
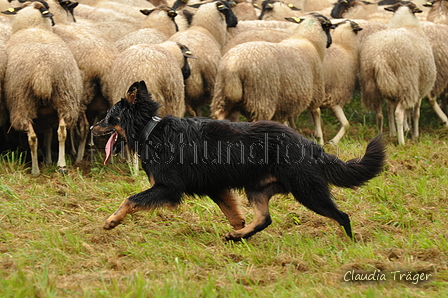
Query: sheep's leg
[234,116]
[228,204]
[62,136]
[379,119]
[399,117]
[391,118]
[318,122]
[435,106]
[48,137]
[83,134]
[339,112]
[416,119]
[33,142]
[292,122]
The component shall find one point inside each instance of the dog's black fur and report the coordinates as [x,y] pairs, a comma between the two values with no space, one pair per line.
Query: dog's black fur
[209,157]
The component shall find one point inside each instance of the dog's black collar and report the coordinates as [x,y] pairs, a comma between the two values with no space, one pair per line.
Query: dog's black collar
[148,129]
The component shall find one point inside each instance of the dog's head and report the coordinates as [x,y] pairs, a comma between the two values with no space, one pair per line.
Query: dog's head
[125,117]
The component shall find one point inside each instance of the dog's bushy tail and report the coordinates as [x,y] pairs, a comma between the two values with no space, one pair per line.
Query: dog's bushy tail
[356,172]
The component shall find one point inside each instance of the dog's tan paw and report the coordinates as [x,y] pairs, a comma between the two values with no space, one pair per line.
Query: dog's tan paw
[110,224]
[232,236]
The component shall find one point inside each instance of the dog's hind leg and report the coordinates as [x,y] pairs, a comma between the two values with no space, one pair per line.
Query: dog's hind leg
[229,205]
[317,198]
[259,199]
[156,196]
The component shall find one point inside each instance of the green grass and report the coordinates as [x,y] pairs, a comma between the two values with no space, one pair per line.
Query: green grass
[52,243]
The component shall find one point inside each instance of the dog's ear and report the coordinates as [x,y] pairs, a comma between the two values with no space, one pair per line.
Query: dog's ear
[142,91]
[131,95]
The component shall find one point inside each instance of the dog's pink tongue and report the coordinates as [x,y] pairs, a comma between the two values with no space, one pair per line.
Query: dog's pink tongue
[110,146]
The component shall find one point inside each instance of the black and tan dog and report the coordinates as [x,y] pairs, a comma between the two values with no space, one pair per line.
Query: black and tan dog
[209,157]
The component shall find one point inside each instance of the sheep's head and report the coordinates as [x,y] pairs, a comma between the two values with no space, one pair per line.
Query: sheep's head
[412,7]
[170,12]
[186,70]
[40,5]
[269,5]
[69,6]
[342,6]
[225,8]
[355,26]
[326,26]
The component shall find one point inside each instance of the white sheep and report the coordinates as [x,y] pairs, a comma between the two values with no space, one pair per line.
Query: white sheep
[438,11]
[275,80]
[158,26]
[3,61]
[437,35]
[397,64]
[205,38]
[94,54]
[161,66]
[42,82]
[340,71]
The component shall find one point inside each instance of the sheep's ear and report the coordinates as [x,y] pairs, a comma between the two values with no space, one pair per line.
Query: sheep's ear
[292,7]
[45,13]
[12,10]
[196,5]
[186,52]
[417,10]
[295,20]
[255,5]
[146,12]
[390,8]
[428,4]
[368,2]
[172,14]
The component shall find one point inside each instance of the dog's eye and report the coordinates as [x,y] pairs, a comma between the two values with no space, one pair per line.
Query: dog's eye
[113,120]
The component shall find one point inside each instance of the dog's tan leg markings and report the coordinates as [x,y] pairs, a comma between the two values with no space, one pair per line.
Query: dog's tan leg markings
[229,205]
[127,207]
[262,218]
[268,180]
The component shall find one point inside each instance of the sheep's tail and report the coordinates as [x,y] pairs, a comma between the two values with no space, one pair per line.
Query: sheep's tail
[232,86]
[42,85]
[356,172]
[228,91]
[386,78]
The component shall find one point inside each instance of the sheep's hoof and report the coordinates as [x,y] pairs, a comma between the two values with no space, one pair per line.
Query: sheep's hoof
[63,170]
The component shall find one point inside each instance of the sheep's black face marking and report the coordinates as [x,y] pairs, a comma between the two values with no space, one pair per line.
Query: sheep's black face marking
[224,8]
[326,26]
[340,8]
[267,5]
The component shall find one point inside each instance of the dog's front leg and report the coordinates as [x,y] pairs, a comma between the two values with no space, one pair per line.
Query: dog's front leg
[229,205]
[152,198]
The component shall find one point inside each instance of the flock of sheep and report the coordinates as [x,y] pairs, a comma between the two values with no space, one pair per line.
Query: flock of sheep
[64,63]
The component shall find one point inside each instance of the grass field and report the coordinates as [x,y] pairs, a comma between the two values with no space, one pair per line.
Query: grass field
[52,243]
